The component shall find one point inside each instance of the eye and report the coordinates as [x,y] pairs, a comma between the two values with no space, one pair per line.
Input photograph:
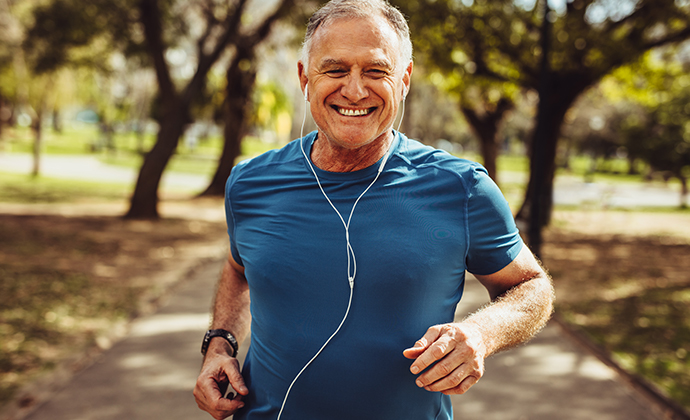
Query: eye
[377,73]
[336,73]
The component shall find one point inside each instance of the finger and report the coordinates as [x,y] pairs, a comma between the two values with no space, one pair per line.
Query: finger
[431,335]
[213,383]
[445,380]
[226,407]
[208,389]
[464,386]
[236,379]
[212,401]
[440,346]
[417,349]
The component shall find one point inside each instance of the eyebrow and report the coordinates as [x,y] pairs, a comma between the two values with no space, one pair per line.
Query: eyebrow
[329,62]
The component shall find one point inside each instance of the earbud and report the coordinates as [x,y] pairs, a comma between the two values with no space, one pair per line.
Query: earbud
[306,92]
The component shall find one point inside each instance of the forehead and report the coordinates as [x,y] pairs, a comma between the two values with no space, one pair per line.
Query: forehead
[348,39]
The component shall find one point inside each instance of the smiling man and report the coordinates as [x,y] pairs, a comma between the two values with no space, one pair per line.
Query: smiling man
[349,248]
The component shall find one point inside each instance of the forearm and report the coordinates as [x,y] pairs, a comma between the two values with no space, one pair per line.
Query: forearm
[220,370]
[231,304]
[514,316]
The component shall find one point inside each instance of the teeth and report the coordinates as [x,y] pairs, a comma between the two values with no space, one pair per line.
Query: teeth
[353,112]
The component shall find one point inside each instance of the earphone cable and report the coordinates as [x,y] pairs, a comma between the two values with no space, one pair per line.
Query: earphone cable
[351,260]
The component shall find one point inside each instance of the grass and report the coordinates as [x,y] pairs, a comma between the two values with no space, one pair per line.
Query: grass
[86,139]
[20,188]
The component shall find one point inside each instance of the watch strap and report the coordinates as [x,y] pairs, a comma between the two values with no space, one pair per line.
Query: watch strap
[210,334]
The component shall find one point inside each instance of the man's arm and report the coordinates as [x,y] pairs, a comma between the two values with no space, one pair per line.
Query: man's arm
[220,369]
[521,304]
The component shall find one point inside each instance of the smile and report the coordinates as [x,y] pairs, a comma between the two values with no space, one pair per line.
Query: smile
[353,112]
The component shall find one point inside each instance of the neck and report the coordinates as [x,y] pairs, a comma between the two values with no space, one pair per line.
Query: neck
[331,157]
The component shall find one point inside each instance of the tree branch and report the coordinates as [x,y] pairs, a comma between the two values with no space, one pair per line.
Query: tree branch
[231,33]
[680,36]
[262,31]
[153,31]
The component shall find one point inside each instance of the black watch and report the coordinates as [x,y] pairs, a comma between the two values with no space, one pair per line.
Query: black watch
[210,334]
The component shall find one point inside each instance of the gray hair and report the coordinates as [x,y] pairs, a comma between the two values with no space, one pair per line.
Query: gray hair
[352,9]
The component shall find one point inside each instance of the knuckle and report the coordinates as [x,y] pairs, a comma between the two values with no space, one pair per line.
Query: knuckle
[444,369]
[438,351]
[457,378]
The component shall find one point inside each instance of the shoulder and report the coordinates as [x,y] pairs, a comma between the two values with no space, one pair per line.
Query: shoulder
[285,154]
[270,163]
[421,156]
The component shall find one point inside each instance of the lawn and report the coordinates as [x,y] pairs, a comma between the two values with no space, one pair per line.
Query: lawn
[22,188]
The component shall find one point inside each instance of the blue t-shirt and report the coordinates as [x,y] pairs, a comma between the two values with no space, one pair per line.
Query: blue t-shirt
[428,218]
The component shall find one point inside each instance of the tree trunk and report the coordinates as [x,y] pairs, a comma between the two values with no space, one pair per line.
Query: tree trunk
[543,152]
[37,128]
[2,120]
[144,202]
[683,192]
[486,128]
[240,85]
[57,122]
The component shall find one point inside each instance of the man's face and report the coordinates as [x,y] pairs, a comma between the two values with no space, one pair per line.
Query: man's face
[356,79]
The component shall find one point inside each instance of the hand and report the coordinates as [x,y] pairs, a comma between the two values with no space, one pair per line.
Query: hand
[219,371]
[457,353]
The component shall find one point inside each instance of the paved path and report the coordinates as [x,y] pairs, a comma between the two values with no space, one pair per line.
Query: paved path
[89,167]
[150,374]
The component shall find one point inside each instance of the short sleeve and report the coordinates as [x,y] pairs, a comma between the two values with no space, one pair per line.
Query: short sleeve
[230,217]
[494,239]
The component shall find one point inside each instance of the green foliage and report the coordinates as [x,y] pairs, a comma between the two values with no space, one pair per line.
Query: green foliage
[272,109]
[444,34]
[500,39]
[70,32]
[657,88]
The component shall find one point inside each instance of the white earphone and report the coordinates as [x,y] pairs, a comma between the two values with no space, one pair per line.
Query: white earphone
[351,260]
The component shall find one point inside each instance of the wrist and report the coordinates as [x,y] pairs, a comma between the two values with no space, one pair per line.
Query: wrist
[216,338]
[476,338]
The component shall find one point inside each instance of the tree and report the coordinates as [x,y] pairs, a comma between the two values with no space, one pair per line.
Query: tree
[153,31]
[441,48]
[660,84]
[31,89]
[589,39]
[240,80]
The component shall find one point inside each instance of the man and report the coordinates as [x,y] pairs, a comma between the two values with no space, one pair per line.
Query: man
[353,243]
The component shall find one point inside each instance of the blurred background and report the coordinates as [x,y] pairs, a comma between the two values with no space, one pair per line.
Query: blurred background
[120,121]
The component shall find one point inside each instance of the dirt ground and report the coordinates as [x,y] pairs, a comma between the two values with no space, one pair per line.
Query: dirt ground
[72,278]
[73,275]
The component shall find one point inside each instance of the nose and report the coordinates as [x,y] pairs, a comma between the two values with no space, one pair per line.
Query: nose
[354,89]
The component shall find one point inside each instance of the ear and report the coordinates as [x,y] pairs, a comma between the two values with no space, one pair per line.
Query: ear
[303,79]
[407,78]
